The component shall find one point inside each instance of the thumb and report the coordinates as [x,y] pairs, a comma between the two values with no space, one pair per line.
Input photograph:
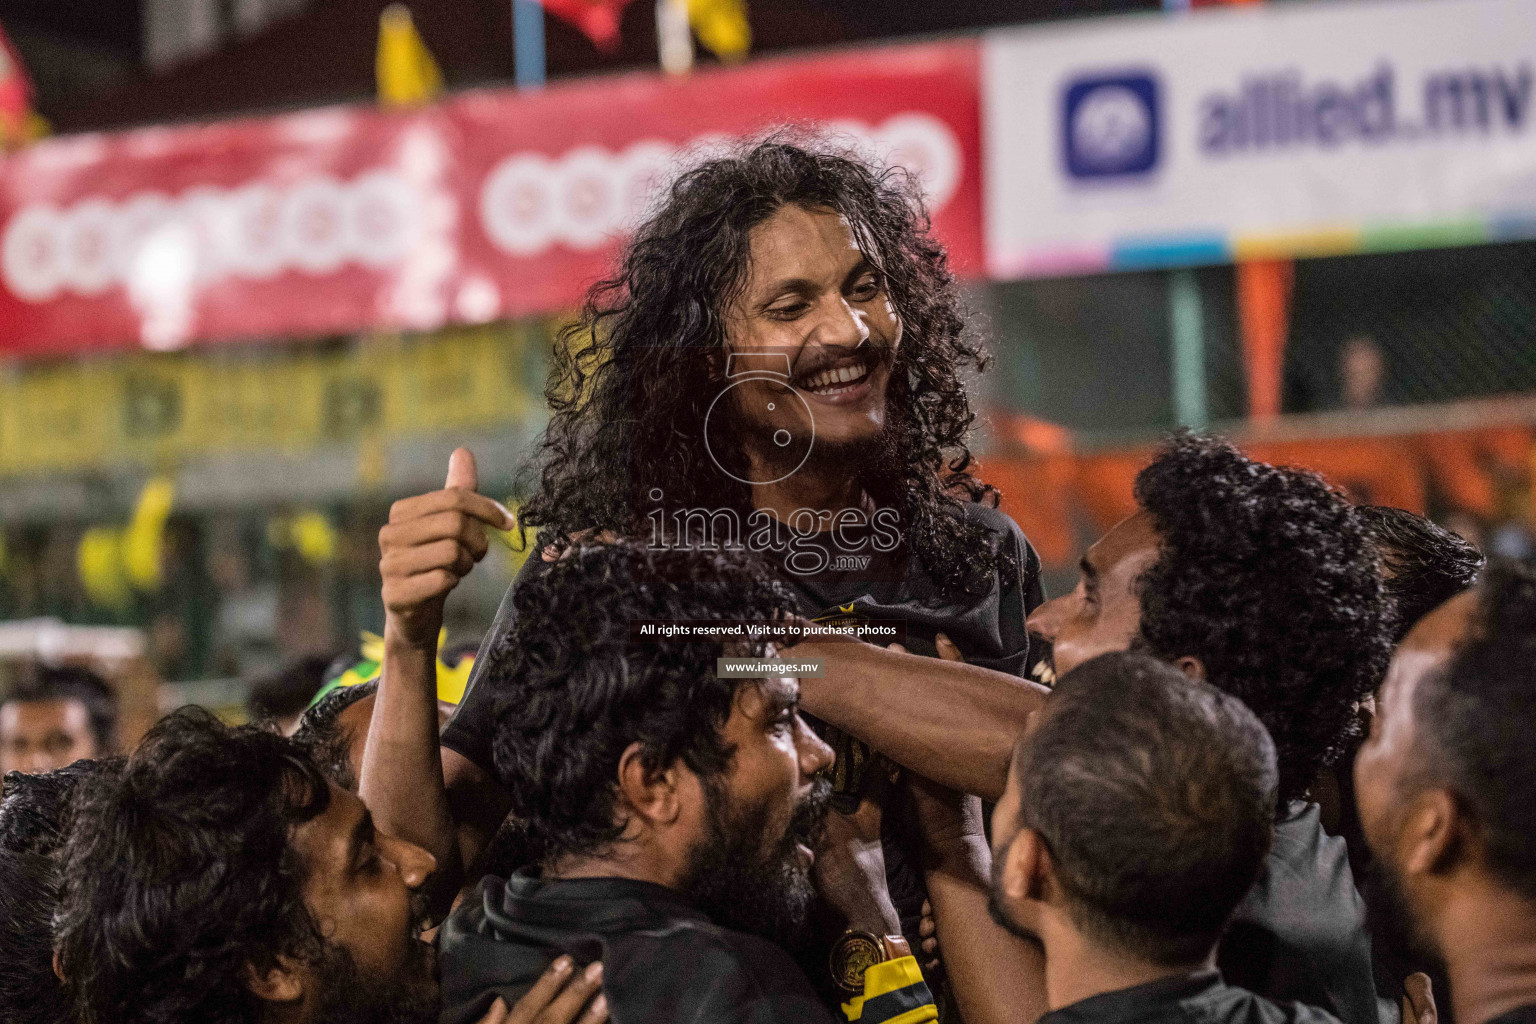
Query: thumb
[461,470]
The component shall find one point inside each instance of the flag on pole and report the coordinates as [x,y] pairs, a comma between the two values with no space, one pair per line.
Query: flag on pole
[722,27]
[598,20]
[18,124]
[406,73]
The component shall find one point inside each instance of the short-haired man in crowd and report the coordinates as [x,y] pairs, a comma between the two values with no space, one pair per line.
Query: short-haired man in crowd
[673,812]
[1447,788]
[220,878]
[1262,581]
[1138,813]
[55,717]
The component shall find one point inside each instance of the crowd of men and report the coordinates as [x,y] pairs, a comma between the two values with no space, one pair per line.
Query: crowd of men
[1270,762]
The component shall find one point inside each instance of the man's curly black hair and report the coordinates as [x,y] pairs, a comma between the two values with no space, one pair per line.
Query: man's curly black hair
[178,875]
[1270,578]
[35,818]
[320,733]
[1426,563]
[1476,716]
[574,690]
[634,377]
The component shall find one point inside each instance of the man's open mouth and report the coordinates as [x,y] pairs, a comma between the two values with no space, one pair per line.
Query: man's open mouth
[839,379]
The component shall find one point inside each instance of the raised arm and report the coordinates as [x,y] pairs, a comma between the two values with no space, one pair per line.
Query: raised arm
[431,542]
[946,720]
[998,978]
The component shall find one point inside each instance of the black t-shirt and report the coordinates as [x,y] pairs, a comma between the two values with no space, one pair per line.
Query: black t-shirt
[1300,932]
[662,959]
[987,626]
[1201,998]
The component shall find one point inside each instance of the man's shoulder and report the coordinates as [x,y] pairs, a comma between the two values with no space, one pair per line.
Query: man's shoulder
[1235,1005]
[731,976]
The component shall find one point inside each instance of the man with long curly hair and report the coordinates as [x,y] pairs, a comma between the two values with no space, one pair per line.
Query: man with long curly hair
[218,877]
[779,364]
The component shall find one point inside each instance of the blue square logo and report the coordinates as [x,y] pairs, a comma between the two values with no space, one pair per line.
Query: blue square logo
[1111,125]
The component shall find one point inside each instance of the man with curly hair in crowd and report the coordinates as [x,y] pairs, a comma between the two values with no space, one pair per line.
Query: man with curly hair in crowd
[1260,580]
[220,878]
[672,811]
[779,364]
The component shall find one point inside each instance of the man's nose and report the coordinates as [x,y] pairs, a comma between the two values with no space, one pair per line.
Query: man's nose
[842,326]
[414,864]
[815,754]
[1046,619]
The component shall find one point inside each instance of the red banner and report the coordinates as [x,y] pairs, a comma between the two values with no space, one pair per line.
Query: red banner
[493,204]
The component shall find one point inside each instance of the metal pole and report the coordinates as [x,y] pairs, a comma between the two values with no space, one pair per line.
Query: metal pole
[1187,327]
[528,43]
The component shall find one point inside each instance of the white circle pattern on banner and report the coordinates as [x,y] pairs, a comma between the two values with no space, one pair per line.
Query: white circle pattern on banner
[256,231]
[589,196]
[585,199]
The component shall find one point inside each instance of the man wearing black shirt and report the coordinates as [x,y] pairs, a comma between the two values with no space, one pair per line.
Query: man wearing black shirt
[780,364]
[1258,579]
[1447,788]
[1138,811]
[673,811]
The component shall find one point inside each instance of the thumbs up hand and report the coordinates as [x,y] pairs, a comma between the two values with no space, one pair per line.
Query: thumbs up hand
[430,543]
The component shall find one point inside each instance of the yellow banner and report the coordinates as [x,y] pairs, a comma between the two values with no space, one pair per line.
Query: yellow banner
[157,410]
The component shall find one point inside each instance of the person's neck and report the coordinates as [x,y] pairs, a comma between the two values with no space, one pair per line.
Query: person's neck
[829,492]
[631,864]
[1077,969]
[1488,937]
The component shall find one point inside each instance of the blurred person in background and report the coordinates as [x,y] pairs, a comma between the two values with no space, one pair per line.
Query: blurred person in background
[1362,372]
[1139,809]
[220,878]
[1447,790]
[54,717]
[281,697]
[34,822]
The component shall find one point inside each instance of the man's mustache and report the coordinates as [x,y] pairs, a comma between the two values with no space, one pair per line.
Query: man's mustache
[810,817]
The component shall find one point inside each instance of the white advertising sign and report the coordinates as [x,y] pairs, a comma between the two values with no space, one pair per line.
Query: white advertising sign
[1295,129]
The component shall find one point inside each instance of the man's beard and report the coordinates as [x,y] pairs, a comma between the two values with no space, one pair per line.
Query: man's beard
[995,904]
[348,996]
[743,884]
[1390,919]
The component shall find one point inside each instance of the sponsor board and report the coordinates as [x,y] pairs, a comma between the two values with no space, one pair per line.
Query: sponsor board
[1296,129]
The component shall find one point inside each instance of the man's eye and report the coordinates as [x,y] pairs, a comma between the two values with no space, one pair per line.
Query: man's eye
[788,312]
[866,289]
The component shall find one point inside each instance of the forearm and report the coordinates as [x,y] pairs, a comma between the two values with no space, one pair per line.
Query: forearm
[997,977]
[952,722]
[402,773]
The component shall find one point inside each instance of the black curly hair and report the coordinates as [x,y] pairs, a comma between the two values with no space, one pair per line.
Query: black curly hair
[1270,578]
[34,821]
[1426,563]
[178,875]
[574,690]
[633,378]
[1476,715]
[319,733]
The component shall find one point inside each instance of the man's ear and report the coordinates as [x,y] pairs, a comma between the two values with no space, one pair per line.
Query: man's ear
[283,983]
[1192,667]
[1026,864]
[652,794]
[1435,834]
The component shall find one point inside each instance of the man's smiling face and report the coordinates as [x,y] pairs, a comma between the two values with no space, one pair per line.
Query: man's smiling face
[813,299]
